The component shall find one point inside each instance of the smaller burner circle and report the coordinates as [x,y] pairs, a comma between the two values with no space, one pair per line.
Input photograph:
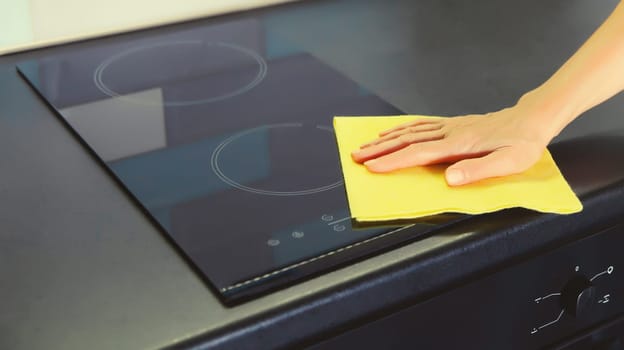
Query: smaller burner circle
[214,163]
[260,75]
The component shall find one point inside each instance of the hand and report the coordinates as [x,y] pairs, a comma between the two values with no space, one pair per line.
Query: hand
[480,146]
[511,140]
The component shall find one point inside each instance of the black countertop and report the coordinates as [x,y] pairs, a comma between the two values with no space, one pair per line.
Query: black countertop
[81,266]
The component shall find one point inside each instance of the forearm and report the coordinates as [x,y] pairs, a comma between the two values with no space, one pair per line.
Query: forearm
[592,75]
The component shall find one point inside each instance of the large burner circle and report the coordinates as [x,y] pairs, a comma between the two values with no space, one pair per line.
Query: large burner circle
[197,72]
[293,169]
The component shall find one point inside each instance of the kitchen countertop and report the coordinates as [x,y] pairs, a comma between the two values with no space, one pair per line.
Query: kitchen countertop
[81,266]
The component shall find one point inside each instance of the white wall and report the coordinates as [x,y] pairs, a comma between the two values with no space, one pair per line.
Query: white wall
[33,23]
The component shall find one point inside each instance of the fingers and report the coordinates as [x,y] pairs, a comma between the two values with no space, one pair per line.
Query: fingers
[502,162]
[407,130]
[395,144]
[417,122]
[483,147]
[412,155]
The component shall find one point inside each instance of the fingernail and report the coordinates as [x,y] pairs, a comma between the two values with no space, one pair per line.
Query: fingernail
[357,156]
[454,176]
[373,166]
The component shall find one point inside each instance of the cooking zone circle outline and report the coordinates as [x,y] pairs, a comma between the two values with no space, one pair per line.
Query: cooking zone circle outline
[260,75]
[214,163]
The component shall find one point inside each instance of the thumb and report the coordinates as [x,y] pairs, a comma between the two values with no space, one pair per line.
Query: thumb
[505,161]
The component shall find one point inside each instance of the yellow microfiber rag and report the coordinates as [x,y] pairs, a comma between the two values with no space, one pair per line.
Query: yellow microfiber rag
[422,191]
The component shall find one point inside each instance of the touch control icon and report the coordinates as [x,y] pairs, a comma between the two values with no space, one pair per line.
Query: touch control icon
[273,242]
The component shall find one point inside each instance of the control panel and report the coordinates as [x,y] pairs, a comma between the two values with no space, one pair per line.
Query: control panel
[551,300]
[578,297]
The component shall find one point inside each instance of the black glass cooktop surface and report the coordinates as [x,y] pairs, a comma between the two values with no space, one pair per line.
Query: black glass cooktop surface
[223,134]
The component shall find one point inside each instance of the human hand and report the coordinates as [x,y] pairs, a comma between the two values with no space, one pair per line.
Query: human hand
[511,140]
[480,146]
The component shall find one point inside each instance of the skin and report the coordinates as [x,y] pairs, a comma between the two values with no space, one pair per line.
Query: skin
[511,140]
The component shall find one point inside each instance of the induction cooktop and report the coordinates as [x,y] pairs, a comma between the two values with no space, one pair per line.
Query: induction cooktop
[223,135]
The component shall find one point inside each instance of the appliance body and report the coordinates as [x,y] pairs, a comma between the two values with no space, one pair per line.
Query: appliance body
[520,307]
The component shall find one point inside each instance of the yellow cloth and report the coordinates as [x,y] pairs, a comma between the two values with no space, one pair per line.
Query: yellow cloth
[422,191]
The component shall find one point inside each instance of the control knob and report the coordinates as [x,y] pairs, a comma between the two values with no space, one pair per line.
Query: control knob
[578,296]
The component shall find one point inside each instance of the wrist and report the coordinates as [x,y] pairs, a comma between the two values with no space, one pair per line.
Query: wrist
[548,113]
